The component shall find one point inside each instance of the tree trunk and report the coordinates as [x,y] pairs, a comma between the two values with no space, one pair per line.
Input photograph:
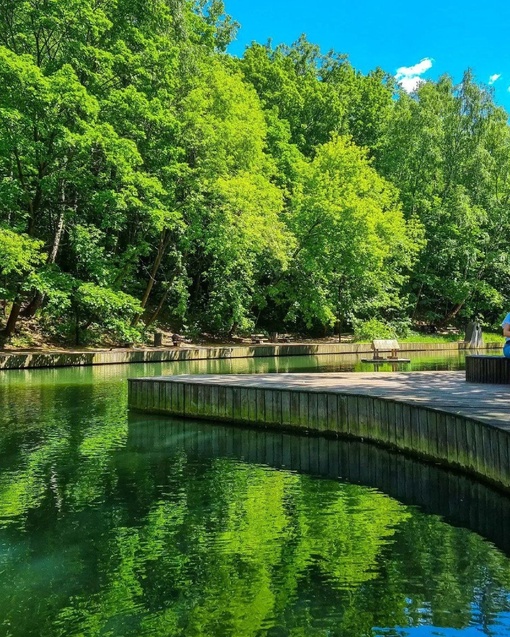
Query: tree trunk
[57,238]
[13,318]
[339,315]
[339,328]
[163,245]
[453,313]
[38,298]
[158,309]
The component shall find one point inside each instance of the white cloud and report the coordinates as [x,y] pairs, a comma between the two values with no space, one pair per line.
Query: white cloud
[410,84]
[494,78]
[409,76]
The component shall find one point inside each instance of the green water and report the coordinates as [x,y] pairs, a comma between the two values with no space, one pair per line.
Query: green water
[142,526]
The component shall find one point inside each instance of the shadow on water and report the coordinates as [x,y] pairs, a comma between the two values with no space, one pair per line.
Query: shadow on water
[457,498]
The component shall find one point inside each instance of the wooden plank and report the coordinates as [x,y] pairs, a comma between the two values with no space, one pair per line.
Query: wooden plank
[400,425]
[333,424]
[486,451]
[391,415]
[463,453]
[423,439]
[252,406]
[351,415]
[191,399]
[383,415]
[494,455]
[204,403]
[322,412]
[480,459]
[432,433]
[413,427]
[471,454]
[166,398]
[285,406]
[264,406]
[222,402]
[303,410]
[363,425]
[504,450]
[277,407]
[294,409]
[244,407]
[154,396]
[374,407]
[442,441]
[342,414]
[451,439]
[236,404]
[312,411]
[261,406]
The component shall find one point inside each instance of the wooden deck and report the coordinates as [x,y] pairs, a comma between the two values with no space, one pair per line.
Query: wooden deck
[445,391]
[433,414]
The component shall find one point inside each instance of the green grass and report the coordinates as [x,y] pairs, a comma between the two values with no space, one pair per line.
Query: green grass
[416,337]
[493,337]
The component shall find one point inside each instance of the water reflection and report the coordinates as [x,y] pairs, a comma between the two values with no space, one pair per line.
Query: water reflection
[162,528]
[443,360]
[459,499]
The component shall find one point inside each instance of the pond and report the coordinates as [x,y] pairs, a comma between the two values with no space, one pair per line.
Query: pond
[130,525]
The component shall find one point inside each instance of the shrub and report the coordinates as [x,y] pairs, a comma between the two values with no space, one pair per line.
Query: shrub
[104,310]
[371,329]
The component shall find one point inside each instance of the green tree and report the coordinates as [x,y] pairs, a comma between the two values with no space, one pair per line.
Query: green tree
[353,246]
[447,150]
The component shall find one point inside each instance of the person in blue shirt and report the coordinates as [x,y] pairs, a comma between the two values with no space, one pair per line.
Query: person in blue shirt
[506,333]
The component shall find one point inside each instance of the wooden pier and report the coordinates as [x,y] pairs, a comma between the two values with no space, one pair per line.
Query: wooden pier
[435,415]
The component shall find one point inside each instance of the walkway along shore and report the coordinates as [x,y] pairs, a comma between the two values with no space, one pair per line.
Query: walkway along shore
[435,415]
[69,358]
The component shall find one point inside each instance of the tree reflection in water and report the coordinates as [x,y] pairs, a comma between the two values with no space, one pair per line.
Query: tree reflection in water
[158,527]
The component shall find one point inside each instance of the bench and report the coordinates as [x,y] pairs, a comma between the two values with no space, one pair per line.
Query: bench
[488,369]
[388,345]
[275,337]
[259,338]
[177,339]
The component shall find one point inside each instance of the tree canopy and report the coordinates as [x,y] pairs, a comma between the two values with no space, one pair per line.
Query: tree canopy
[142,165]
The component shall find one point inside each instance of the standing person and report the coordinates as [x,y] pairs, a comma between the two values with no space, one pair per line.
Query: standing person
[506,333]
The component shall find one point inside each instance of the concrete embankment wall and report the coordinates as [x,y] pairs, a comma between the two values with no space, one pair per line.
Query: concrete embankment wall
[457,441]
[28,360]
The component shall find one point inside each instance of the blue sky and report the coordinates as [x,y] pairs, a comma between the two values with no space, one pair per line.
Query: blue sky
[440,37]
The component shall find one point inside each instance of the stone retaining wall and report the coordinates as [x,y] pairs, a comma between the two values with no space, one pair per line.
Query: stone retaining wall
[28,360]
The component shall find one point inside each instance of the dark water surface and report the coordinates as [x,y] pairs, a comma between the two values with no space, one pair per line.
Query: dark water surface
[145,526]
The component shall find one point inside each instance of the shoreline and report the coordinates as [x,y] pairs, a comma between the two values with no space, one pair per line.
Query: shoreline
[34,359]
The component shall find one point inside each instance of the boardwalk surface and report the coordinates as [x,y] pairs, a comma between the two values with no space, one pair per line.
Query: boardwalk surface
[442,390]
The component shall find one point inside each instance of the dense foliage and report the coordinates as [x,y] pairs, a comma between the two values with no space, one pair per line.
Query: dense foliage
[147,175]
